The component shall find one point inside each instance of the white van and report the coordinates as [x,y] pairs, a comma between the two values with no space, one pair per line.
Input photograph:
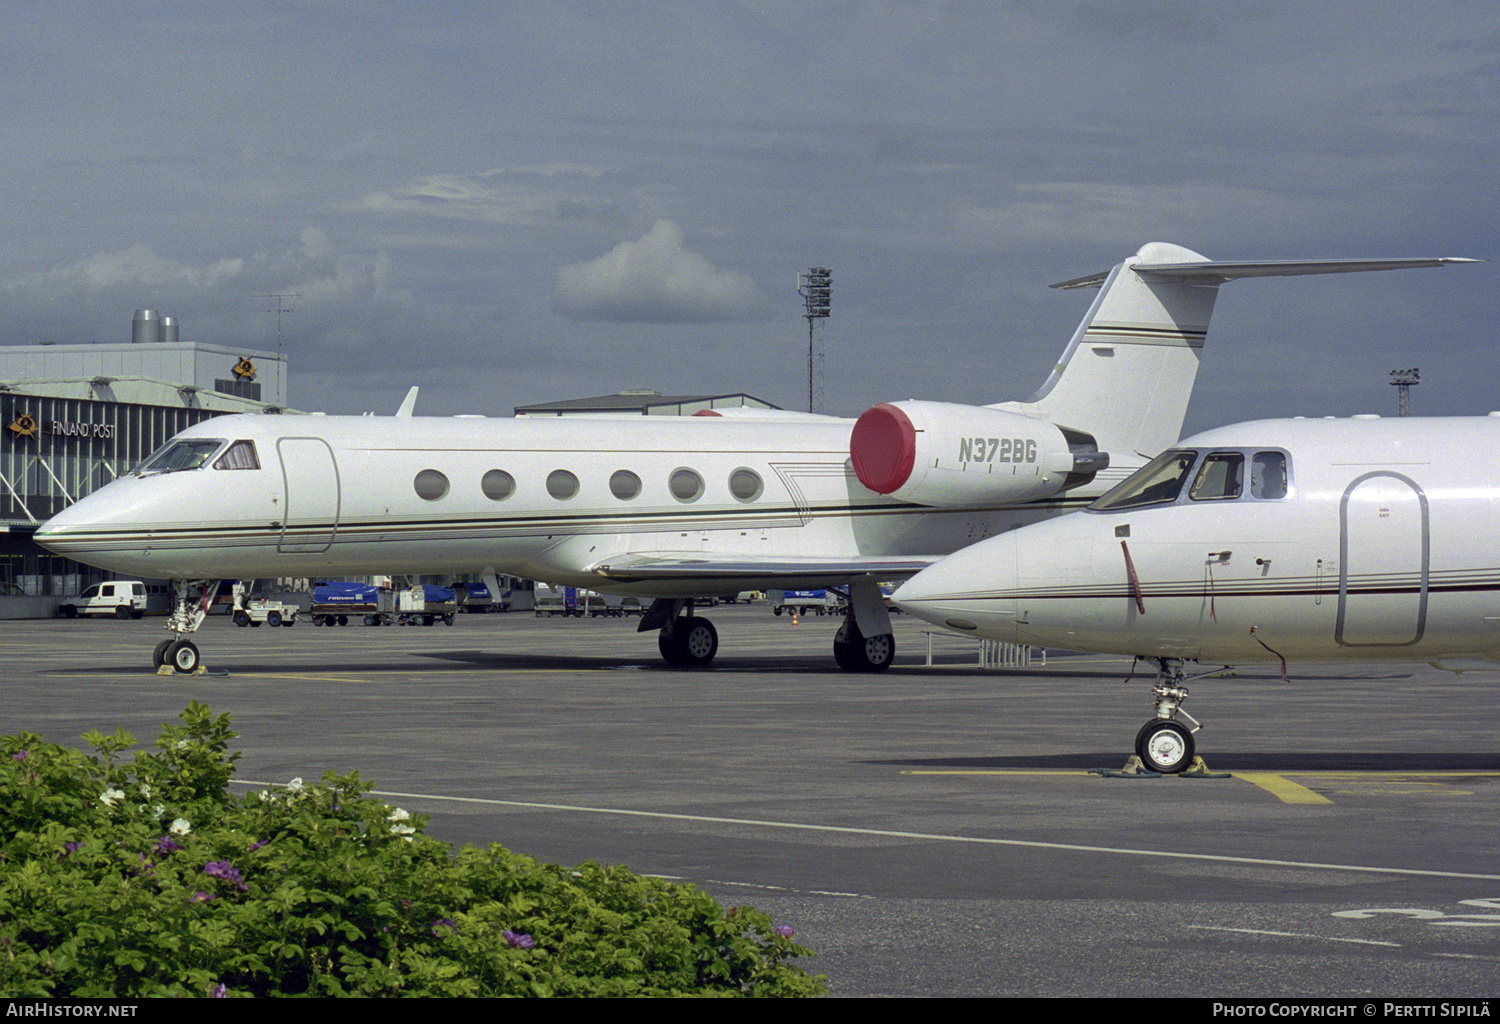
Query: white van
[124,599]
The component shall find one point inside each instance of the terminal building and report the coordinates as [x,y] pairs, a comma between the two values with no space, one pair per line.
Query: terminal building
[74,417]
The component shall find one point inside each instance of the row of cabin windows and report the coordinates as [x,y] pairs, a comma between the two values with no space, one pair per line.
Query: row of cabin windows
[686,485]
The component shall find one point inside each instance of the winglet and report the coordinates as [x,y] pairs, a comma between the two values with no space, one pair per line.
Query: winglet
[408,403]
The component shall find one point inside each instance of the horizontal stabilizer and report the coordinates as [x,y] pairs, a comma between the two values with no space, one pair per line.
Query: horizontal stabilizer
[1215,270]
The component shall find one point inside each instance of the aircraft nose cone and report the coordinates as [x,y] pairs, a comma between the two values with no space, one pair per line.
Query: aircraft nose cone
[971,591]
[104,529]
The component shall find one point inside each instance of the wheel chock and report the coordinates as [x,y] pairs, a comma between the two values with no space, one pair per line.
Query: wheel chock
[1133,769]
[1199,770]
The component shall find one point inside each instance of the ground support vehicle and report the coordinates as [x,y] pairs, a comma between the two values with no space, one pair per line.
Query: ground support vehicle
[252,611]
[562,601]
[606,605]
[337,603]
[800,602]
[475,596]
[426,604]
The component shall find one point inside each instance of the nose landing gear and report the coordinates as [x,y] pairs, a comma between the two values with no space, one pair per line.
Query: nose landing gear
[1164,744]
[190,600]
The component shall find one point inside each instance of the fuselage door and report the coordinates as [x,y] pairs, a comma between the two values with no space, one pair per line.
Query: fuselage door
[312,495]
[1383,563]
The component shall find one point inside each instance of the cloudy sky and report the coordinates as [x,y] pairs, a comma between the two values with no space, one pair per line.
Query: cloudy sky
[516,202]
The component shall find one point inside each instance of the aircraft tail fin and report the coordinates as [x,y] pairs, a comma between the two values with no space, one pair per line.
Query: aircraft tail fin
[1128,371]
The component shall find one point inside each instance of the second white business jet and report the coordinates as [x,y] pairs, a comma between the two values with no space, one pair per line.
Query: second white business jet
[673,509]
[1317,540]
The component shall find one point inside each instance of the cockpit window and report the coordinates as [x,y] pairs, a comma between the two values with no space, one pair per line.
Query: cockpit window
[1268,475]
[177,455]
[1155,483]
[240,455]
[1221,476]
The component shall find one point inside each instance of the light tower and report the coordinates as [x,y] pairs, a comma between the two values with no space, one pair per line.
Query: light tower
[1403,381]
[816,289]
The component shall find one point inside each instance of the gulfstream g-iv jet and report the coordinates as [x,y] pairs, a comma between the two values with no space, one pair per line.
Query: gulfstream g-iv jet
[671,509]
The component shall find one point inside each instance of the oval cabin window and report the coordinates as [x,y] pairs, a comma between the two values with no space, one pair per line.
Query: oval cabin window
[561,484]
[745,484]
[685,485]
[624,484]
[431,485]
[497,485]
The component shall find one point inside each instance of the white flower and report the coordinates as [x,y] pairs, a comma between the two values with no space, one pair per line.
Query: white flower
[295,786]
[181,827]
[145,791]
[398,815]
[111,796]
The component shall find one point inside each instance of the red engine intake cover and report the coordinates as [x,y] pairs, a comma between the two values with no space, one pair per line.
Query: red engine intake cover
[883,448]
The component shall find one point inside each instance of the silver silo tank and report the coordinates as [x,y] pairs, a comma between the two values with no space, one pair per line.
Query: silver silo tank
[145,329]
[169,330]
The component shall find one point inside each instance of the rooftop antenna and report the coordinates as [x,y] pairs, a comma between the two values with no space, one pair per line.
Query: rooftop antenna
[816,289]
[281,309]
[1403,381]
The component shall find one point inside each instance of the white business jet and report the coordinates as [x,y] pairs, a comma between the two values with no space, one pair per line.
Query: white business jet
[1321,540]
[672,509]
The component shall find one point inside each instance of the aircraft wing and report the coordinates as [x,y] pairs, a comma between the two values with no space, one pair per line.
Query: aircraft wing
[791,573]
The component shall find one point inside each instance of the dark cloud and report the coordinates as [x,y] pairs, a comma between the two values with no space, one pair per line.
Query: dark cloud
[503,203]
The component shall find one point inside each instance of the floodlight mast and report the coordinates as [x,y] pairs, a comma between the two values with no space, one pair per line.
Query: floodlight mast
[816,289]
[1403,381]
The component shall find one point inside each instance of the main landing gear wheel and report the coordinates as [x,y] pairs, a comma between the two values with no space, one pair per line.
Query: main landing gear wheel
[693,642]
[159,656]
[857,653]
[182,655]
[1164,746]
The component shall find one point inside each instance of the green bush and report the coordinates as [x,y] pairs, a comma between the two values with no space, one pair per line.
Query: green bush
[147,877]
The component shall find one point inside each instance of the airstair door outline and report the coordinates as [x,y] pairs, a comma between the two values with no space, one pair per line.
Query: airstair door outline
[1384,552]
[311,510]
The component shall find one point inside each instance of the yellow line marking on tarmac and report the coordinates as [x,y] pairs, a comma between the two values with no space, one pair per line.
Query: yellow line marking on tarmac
[993,771]
[238,674]
[294,675]
[1283,789]
[1278,784]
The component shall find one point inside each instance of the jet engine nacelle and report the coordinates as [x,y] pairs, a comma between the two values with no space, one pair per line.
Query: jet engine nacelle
[943,455]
